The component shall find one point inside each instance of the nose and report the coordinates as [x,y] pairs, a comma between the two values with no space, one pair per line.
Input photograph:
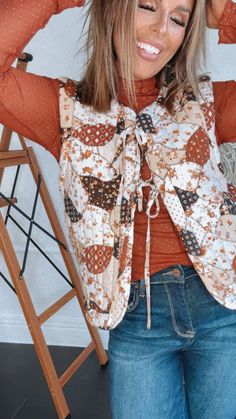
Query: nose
[160,24]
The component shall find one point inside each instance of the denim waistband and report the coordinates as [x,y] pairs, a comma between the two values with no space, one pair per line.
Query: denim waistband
[173,274]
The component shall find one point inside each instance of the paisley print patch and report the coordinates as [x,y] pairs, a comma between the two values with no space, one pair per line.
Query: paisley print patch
[116,250]
[120,126]
[71,88]
[95,135]
[144,121]
[209,113]
[190,242]
[125,211]
[188,96]
[197,149]
[97,258]
[228,207]
[186,198]
[71,211]
[101,194]
[90,304]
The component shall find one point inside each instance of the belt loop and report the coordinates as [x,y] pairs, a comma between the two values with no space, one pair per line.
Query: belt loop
[142,288]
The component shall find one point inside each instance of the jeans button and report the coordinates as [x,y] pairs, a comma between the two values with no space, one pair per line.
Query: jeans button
[176,272]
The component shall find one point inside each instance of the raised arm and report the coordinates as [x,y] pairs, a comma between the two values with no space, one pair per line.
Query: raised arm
[225,106]
[28,103]
[221,14]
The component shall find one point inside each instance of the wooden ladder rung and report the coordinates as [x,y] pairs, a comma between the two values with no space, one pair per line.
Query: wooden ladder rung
[13,158]
[43,317]
[4,203]
[76,364]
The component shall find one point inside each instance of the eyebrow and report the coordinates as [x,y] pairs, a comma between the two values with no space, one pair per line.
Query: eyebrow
[182,8]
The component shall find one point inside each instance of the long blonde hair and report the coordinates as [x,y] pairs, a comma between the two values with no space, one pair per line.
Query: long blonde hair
[100,80]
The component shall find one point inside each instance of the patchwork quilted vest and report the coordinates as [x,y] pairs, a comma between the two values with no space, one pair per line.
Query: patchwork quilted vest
[100,181]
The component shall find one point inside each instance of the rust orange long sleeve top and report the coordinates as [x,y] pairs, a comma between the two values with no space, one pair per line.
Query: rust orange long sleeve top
[29,105]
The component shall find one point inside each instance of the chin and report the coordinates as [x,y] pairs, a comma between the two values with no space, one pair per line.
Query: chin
[143,76]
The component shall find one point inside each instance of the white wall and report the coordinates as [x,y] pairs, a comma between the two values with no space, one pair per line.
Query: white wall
[54,50]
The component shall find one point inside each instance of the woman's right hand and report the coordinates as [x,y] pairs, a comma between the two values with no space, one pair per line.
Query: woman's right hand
[214,9]
[67,4]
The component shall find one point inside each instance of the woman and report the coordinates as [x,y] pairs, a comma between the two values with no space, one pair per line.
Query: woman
[139,163]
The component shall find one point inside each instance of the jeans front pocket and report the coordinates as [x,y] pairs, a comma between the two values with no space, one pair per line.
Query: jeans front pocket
[133,298]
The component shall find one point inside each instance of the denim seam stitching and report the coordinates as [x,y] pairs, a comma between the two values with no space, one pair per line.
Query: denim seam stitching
[191,276]
[183,399]
[190,320]
[166,282]
[133,304]
[173,316]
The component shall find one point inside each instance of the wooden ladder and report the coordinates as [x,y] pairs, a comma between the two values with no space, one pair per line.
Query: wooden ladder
[26,156]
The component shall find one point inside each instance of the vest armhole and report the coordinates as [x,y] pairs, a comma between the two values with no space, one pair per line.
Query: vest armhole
[206,89]
[67,98]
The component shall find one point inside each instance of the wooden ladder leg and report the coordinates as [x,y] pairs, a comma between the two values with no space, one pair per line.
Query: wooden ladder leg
[33,323]
[68,260]
[4,145]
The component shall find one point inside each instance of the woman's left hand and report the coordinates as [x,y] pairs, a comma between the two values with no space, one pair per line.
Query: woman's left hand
[214,11]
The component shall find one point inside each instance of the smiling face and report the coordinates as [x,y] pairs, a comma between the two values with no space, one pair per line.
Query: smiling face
[160,30]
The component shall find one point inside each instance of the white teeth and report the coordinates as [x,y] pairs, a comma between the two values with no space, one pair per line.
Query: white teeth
[149,48]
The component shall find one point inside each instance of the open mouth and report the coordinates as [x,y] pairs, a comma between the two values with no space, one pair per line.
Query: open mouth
[149,49]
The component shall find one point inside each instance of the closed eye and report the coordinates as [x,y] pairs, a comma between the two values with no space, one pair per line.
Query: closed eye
[179,22]
[147,7]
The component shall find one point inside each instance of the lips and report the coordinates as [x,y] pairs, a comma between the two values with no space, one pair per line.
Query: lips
[148,50]
[151,49]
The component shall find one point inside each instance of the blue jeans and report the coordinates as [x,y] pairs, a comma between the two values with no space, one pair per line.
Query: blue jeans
[185,365]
